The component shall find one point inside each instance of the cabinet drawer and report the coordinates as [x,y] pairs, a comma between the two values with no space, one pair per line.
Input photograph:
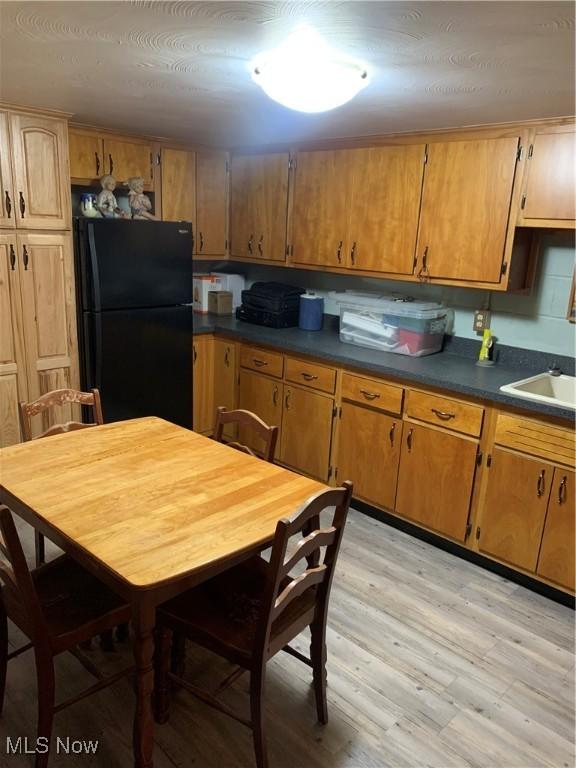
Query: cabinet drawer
[261,360]
[452,414]
[536,438]
[312,375]
[377,394]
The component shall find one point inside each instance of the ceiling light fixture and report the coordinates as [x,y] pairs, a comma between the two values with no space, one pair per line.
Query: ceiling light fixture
[306,75]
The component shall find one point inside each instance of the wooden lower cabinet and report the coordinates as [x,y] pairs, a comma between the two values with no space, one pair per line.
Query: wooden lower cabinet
[369,453]
[225,379]
[263,396]
[515,507]
[435,479]
[307,431]
[556,559]
[202,384]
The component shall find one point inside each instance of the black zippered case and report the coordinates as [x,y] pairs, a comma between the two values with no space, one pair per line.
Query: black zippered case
[272,297]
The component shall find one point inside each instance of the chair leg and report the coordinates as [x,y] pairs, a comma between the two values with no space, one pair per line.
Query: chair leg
[163,644]
[46,692]
[3,652]
[257,678]
[318,658]
[178,663]
[40,545]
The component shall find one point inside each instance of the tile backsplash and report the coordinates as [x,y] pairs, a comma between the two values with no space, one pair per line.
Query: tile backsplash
[534,322]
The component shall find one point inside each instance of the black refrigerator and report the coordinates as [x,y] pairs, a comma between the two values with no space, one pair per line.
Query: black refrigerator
[134,296]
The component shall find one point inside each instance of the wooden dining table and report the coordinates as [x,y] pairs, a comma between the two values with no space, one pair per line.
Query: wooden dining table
[151,509]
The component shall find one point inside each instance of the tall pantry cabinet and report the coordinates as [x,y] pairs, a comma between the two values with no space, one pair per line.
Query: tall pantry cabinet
[38,345]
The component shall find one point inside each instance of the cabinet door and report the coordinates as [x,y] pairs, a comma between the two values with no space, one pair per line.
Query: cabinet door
[242,223]
[211,203]
[12,362]
[86,156]
[556,559]
[7,202]
[270,206]
[262,396]
[435,479]
[178,186]
[225,379]
[386,190]
[320,218]
[369,452]
[306,431]
[49,317]
[124,159]
[465,209]
[203,384]
[551,188]
[515,508]
[41,172]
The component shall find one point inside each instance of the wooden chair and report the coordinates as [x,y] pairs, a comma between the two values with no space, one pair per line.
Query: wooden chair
[268,435]
[57,606]
[58,397]
[252,611]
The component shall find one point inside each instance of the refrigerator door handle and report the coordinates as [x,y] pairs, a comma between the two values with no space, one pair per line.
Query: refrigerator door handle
[93,350]
[94,268]
[98,351]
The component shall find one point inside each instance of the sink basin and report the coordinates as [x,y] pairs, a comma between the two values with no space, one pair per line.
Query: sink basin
[544,388]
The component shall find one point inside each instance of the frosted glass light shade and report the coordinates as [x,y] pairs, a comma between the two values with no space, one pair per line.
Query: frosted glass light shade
[306,75]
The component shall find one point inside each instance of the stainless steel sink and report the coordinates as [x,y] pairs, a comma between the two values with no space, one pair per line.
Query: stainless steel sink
[545,388]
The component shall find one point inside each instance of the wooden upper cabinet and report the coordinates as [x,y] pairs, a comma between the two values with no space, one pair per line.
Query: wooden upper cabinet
[556,559]
[125,159]
[515,508]
[86,156]
[321,209]
[386,189]
[41,172]
[550,192]
[465,209]
[178,186]
[259,206]
[435,480]
[48,312]
[7,202]
[12,362]
[211,203]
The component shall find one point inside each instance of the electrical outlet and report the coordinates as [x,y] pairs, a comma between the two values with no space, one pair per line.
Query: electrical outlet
[481,320]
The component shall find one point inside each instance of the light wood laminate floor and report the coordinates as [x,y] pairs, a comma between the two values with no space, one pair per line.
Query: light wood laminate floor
[432,662]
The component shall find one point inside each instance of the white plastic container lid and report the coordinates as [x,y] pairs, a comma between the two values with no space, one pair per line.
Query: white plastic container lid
[388,305]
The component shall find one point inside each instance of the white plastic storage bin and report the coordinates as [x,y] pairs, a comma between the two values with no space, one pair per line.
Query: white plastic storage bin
[393,324]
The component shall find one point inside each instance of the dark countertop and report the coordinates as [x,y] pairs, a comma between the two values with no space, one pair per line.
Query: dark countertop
[444,370]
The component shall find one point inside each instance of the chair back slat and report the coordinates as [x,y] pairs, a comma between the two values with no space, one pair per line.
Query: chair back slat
[282,588]
[268,435]
[58,398]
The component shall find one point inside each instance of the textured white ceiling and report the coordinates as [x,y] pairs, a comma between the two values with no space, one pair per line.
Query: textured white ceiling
[181,69]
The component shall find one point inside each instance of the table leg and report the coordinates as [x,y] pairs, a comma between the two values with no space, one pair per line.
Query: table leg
[144,619]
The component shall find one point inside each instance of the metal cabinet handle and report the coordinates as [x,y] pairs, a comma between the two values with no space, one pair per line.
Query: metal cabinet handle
[250,244]
[369,395]
[409,439]
[260,250]
[259,363]
[8,204]
[540,484]
[339,251]
[308,376]
[227,357]
[444,415]
[25,256]
[392,433]
[424,268]
[287,400]
[22,205]
[353,253]
[562,490]
[12,258]
[275,396]
[111,162]
[201,242]
[194,354]
[97,163]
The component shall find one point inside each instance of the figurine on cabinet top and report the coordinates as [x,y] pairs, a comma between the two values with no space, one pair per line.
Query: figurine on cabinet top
[106,200]
[140,204]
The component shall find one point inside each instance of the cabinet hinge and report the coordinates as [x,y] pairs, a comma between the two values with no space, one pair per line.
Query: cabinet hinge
[468,531]
[477,533]
[530,151]
[226,244]
[340,412]
[478,458]
[520,152]
[523,203]
[329,472]
[504,267]
[489,460]
[287,250]
[334,412]
[158,159]
[291,163]
[335,473]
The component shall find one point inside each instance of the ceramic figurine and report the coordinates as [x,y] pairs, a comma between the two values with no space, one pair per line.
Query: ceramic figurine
[140,204]
[106,200]
[88,206]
